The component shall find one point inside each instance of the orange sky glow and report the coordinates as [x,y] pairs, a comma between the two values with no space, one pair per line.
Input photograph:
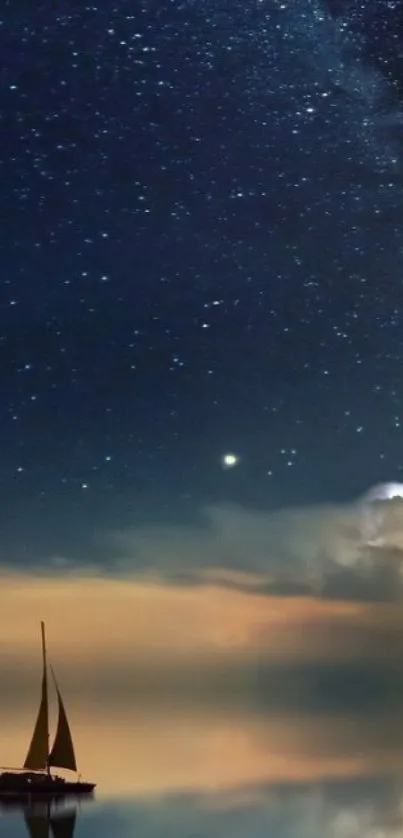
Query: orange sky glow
[98,626]
[94,621]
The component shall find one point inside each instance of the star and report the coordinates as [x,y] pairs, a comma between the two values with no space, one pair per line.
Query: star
[110,386]
[229,460]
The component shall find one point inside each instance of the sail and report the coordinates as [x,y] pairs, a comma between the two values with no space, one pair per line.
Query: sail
[64,825]
[37,756]
[62,754]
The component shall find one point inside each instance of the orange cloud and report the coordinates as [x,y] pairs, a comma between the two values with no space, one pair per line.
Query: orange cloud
[98,620]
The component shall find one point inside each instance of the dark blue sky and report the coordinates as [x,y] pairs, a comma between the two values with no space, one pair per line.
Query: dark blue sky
[202,252]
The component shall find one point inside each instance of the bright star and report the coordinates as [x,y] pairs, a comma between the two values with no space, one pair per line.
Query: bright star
[229,460]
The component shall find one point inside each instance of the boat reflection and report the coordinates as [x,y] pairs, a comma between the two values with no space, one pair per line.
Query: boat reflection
[46,817]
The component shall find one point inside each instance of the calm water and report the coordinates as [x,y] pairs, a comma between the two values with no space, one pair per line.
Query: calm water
[206,772]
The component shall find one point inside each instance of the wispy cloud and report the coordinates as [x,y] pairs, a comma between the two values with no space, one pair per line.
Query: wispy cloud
[349,551]
[342,551]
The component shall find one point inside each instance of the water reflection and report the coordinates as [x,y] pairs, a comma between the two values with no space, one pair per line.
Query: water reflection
[42,817]
[203,772]
[364,808]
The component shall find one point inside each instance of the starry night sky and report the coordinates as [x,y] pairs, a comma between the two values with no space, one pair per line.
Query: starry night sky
[201,252]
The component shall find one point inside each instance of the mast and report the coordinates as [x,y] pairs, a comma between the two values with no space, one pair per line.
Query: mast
[38,753]
[45,691]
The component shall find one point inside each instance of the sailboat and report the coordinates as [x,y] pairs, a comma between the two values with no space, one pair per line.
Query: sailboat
[35,776]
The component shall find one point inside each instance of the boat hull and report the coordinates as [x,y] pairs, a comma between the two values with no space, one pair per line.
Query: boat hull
[27,783]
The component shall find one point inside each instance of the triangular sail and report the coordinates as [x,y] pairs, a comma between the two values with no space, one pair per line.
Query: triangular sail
[63,826]
[37,756]
[62,754]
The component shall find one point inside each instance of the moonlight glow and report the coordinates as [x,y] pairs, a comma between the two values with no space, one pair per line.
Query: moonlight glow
[385,491]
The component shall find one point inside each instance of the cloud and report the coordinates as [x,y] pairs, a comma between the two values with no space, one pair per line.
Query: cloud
[348,551]
[351,551]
